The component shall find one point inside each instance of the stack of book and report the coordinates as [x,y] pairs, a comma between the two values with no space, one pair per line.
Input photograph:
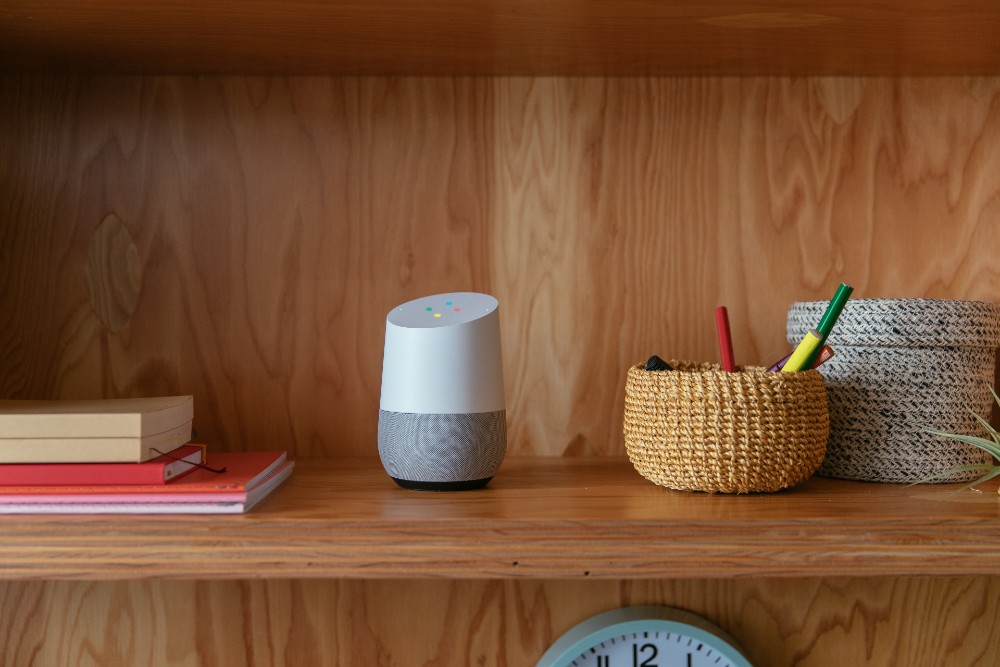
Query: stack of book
[130,455]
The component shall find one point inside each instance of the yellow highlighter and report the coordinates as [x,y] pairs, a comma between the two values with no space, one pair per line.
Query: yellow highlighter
[806,347]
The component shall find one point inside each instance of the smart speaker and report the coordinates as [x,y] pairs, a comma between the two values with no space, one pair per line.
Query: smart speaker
[442,422]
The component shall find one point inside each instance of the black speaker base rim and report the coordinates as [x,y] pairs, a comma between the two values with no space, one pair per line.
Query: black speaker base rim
[465,485]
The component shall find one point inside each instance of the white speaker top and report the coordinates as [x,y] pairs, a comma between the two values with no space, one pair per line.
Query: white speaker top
[442,356]
[442,310]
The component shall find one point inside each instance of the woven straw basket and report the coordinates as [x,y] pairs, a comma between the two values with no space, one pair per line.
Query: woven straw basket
[699,428]
[900,364]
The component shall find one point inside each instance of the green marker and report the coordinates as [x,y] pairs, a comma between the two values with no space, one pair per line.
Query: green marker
[829,319]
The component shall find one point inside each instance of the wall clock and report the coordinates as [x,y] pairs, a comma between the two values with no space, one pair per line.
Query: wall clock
[648,636]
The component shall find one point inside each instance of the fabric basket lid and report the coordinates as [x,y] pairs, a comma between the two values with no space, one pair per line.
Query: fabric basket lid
[902,323]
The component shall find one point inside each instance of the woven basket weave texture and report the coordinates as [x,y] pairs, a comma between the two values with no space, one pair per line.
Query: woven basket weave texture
[698,428]
[900,364]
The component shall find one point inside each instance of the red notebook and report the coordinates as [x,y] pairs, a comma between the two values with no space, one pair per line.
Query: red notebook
[242,469]
[248,478]
[160,470]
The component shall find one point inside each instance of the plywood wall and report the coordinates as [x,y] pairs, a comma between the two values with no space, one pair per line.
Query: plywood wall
[242,239]
[911,622]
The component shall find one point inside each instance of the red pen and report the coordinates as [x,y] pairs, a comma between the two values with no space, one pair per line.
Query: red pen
[725,339]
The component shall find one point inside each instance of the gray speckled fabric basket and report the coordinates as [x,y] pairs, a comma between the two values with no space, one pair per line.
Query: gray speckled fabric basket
[900,364]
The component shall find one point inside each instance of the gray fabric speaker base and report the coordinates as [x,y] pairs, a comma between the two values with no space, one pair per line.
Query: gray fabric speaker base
[446,451]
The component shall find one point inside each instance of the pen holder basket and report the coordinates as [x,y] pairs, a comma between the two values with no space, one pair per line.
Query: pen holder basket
[699,428]
[900,364]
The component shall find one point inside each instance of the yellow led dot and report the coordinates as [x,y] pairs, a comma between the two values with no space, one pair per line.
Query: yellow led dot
[437,314]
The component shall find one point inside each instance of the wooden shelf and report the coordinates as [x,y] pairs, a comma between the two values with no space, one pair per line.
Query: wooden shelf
[463,37]
[540,517]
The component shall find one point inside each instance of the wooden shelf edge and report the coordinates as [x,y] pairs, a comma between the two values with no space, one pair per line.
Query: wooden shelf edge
[540,518]
[563,38]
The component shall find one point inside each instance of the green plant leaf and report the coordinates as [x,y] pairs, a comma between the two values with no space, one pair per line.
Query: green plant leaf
[994,471]
[982,443]
[992,447]
[985,478]
[955,471]
[986,425]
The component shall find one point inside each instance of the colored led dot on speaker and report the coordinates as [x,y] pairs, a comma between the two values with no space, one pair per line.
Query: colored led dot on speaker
[457,309]
[437,314]
[447,303]
[428,309]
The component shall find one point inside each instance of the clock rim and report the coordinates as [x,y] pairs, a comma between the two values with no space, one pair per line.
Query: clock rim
[624,620]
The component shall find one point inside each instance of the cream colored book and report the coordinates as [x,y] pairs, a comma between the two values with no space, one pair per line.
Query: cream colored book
[108,430]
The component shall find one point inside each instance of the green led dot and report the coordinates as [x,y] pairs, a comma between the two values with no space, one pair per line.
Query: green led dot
[428,309]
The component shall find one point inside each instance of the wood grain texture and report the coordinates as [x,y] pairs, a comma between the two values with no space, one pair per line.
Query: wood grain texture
[265,242]
[815,622]
[447,37]
[582,519]
[114,274]
[278,219]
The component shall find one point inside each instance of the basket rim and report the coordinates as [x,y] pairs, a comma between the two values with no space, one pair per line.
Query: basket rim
[711,369]
[909,323]
[901,301]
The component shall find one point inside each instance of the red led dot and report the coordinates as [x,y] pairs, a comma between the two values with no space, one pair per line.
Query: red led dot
[457,309]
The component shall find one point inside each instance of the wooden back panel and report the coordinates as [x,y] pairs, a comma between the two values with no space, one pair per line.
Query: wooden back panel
[263,227]
[827,622]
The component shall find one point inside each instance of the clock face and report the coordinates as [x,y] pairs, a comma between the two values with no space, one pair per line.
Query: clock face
[645,637]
